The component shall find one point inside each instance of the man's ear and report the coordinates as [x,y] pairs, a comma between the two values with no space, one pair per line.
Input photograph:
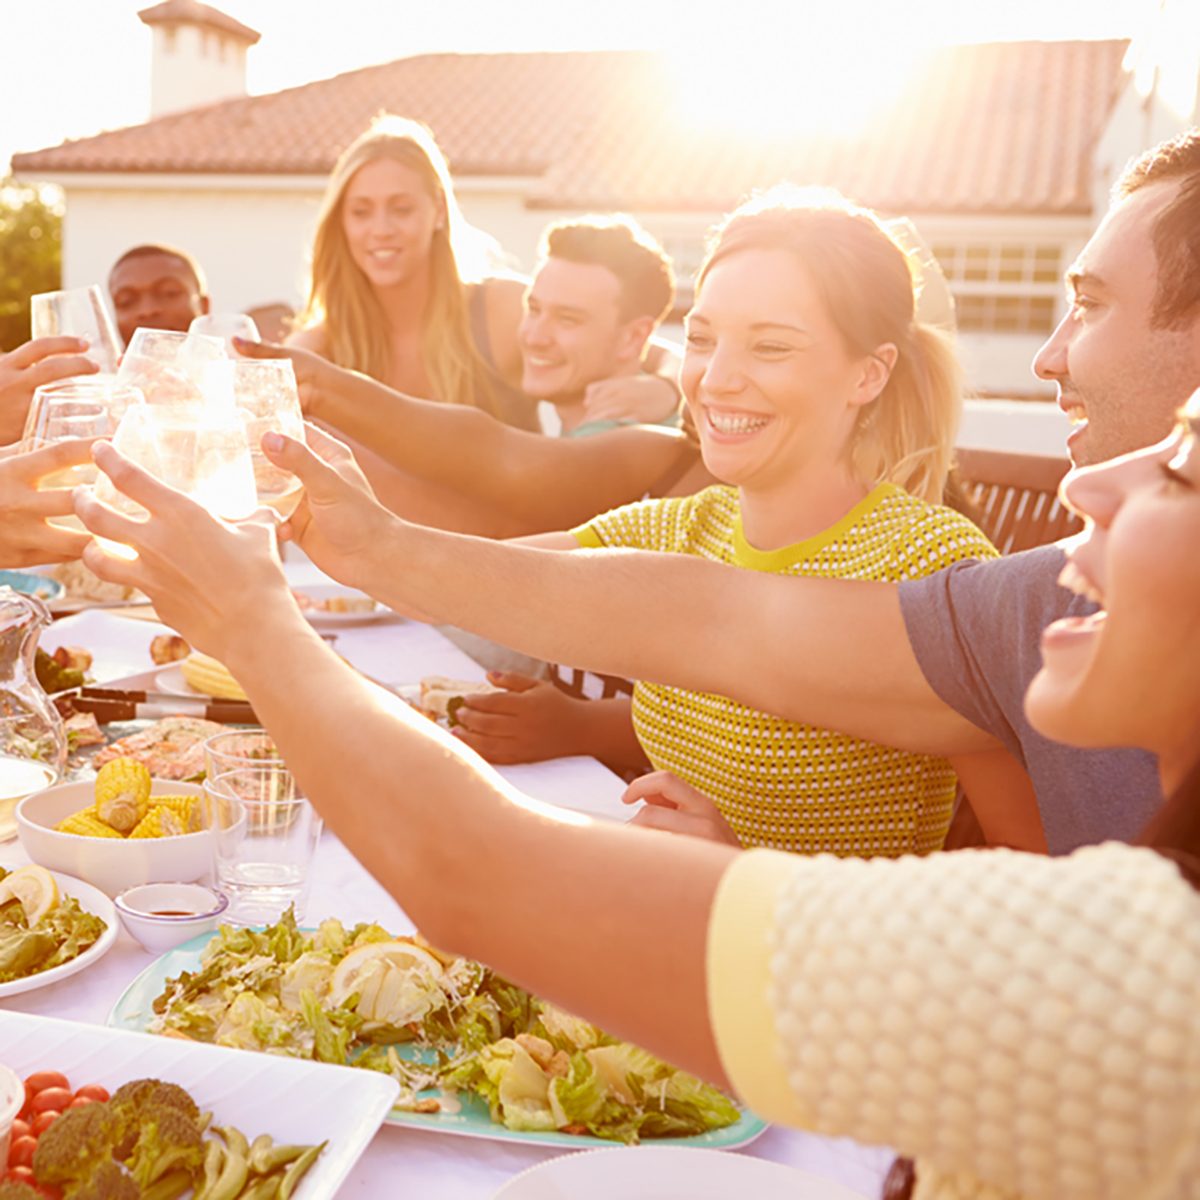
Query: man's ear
[631,345]
[205,306]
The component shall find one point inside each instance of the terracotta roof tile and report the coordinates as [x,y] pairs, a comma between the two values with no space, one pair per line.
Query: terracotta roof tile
[999,127]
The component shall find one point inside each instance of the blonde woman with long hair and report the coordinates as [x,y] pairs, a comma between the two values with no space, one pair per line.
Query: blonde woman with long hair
[405,290]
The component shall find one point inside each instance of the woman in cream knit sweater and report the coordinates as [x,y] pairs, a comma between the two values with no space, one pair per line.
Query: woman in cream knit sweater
[1022,1026]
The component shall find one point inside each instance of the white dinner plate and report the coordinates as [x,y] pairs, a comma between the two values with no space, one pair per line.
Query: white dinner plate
[327,591]
[294,1101]
[171,681]
[91,900]
[667,1173]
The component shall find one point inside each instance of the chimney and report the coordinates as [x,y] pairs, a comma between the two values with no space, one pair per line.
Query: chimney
[199,55]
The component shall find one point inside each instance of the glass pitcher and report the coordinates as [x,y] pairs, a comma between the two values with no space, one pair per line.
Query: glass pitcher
[33,744]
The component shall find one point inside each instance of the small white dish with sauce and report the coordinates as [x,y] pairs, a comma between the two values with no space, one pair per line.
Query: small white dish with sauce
[162,915]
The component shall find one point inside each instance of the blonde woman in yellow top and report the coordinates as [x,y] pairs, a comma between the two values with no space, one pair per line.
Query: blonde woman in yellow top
[829,411]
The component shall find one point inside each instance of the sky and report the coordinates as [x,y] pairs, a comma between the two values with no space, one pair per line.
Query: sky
[75,67]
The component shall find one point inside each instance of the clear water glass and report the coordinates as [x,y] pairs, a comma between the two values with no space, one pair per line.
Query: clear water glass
[194,448]
[237,748]
[264,835]
[77,312]
[168,366]
[226,326]
[90,406]
[268,401]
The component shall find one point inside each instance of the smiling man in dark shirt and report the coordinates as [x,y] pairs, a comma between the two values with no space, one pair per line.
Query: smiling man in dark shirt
[156,287]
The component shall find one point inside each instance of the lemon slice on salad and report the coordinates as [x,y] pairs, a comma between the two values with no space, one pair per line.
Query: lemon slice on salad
[34,887]
[396,982]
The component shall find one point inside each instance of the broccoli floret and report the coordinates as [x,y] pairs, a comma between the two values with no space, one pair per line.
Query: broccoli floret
[18,1189]
[169,1140]
[145,1095]
[76,1144]
[107,1182]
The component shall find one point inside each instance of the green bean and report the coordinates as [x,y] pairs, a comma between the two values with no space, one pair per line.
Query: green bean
[296,1171]
[266,1188]
[214,1159]
[235,1169]
[273,1156]
[169,1187]
[258,1148]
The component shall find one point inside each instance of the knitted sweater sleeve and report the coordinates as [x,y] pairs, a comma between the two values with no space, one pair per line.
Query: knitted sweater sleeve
[1023,1026]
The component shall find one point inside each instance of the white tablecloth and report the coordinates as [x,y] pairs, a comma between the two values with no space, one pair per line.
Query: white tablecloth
[399,1161]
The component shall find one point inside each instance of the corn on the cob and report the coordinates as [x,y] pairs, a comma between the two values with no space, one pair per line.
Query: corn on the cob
[160,821]
[207,675]
[186,808]
[86,824]
[122,793]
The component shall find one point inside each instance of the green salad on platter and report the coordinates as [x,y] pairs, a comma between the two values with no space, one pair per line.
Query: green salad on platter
[441,1025]
[40,927]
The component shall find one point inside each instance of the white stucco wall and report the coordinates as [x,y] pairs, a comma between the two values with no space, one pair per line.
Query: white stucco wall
[193,65]
[250,241]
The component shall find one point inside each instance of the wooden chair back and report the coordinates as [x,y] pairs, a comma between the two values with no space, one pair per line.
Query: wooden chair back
[1013,498]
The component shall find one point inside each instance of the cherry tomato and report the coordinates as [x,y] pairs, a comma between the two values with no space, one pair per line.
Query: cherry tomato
[20,1128]
[39,1081]
[56,1098]
[20,1152]
[25,1173]
[92,1091]
[43,1120]
[81,1101]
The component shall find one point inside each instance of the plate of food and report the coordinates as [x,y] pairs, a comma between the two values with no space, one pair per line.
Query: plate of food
[473,1054]
[330,604]
[275,1122]
[439,697]
[170,749]
[83,589]
[51,926]
[666,1173]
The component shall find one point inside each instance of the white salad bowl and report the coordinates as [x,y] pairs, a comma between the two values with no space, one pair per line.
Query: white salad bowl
[111,864]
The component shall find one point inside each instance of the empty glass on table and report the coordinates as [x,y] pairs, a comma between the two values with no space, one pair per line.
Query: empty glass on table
[264,834]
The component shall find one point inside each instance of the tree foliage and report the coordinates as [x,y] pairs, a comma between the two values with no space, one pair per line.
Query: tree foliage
[30,253]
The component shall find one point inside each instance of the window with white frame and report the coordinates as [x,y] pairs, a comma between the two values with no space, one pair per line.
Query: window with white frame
[1002,286]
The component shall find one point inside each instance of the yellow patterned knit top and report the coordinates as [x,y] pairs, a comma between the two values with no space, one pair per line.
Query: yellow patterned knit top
[778,783]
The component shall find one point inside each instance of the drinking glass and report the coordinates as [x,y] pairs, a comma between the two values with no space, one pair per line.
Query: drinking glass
[197,449]
[264,835]
[90,406]
[167,365]
[80,312]
[29,762]
[237,748]
[226,326]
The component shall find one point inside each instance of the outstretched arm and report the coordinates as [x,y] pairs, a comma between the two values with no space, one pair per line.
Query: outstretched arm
[482,870]
[530,482]
[828,652]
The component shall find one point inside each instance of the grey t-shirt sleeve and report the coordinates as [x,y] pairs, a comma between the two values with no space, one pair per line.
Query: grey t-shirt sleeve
[976,629]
